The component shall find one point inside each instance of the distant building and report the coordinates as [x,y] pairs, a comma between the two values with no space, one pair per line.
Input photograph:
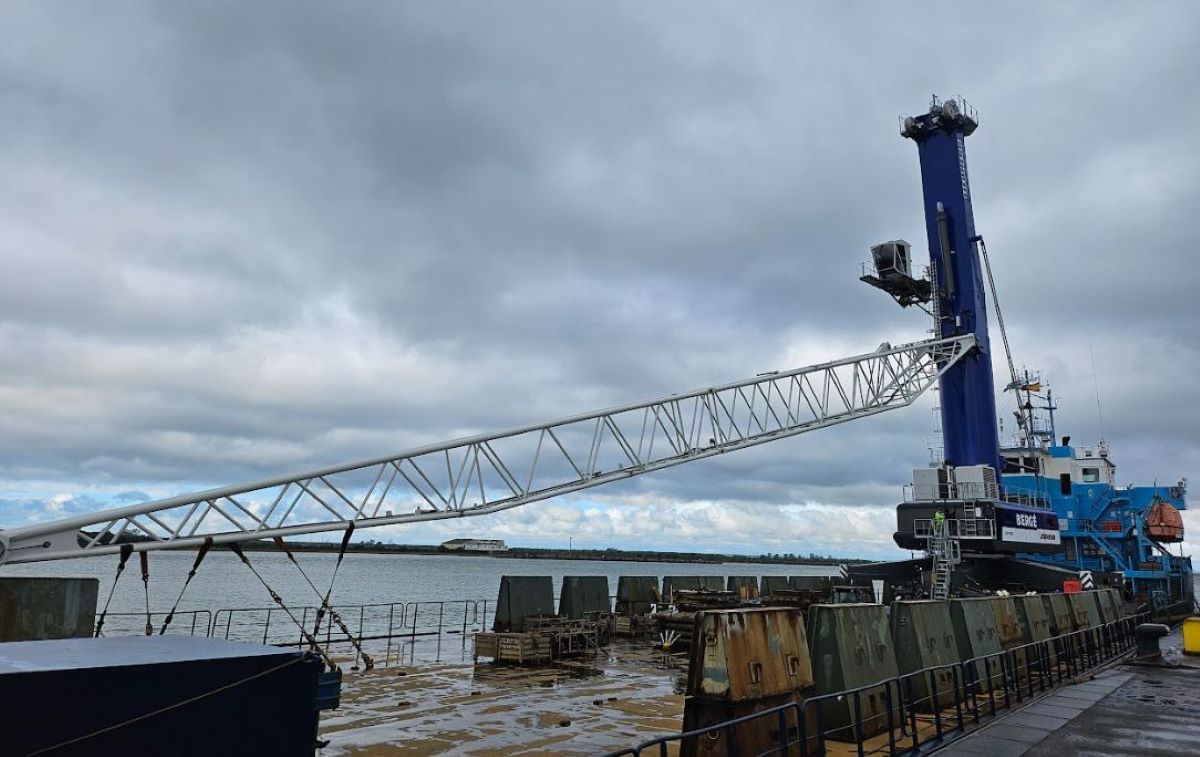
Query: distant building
[475,545]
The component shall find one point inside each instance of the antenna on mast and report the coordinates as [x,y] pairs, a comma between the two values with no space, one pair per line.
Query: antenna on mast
[1096,386]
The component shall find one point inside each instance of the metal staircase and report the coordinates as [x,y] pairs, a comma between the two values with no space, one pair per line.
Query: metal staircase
[946,552]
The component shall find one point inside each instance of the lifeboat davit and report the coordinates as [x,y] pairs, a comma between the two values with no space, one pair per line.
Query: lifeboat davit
[1164,523]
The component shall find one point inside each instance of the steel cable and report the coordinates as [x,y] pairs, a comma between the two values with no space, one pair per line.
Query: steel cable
[333,578]
[144,557]
[325,606]
[126,551]
[208,542]
[310,638]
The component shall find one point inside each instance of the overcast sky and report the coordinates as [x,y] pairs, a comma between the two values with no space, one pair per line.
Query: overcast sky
[241,239]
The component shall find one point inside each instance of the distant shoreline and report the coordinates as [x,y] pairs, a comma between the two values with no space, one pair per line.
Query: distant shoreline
[533,553]
[528,553]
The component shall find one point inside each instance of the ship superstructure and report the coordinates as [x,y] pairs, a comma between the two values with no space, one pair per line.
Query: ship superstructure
[1104,527]
[992,514]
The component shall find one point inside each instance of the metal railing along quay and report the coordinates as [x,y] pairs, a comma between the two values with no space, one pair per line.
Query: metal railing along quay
[385,621]
[271,625]
[982,687]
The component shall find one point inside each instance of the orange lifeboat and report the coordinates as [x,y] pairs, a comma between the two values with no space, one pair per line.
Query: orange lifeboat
[1164,523]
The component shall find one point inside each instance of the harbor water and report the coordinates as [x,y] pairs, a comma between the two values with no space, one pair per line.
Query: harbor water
[223,582]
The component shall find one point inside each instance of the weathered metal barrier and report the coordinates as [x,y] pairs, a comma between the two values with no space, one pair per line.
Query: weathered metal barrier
[743,662]
[636,594]
[746,587]
[974,624]
[924,638]
[851,646]
[990,684]
[582,596]
[521,597]
[672,584]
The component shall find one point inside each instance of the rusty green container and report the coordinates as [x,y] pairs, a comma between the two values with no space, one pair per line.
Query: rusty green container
[746,587]
[1107,604]
[1060,615]
[635,594]
[671,584]
[1103,606]
[37,609]
[1085,613]
[746,654]
[1118,605]
[583,595]
[851,646]
[1035,626]
[809,583]
[771,584]
[923,634]
[975,630]
[1008,631]
[521,597]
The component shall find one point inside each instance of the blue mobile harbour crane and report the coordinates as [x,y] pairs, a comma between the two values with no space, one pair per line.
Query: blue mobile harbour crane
[1029,516]
[1033,514]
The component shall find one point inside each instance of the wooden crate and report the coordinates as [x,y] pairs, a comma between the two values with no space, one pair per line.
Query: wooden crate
[487,645]
[518,648]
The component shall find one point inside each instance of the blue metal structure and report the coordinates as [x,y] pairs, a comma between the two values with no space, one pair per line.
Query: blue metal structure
[1105,528]
[1038,500]
[968,404]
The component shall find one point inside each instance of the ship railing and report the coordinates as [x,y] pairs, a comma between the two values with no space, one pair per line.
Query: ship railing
[1114,527]
[957,528]
[1081,524]
[920,710]
[1027,497]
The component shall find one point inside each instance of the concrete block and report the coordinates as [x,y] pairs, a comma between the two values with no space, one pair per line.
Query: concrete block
[33,609]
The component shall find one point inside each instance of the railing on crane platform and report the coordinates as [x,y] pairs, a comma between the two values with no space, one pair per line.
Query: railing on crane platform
[958,528]
[967,491]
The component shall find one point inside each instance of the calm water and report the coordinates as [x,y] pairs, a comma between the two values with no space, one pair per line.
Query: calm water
[224,582]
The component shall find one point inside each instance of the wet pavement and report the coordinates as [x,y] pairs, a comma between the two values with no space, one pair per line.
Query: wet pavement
[631,693]
[1126,710]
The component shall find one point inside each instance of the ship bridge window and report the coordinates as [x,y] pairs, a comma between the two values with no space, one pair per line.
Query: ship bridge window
[1091,475]
[1020,465]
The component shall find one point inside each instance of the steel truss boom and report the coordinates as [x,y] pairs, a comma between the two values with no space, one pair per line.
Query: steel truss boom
[492,472]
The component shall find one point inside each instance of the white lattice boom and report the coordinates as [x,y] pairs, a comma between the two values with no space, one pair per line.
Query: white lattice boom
[492,472]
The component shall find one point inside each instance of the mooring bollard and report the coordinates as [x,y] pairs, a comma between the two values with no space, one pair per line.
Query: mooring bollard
[1147,635]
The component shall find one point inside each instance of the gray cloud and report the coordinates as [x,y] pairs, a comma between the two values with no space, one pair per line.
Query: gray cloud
[239,241]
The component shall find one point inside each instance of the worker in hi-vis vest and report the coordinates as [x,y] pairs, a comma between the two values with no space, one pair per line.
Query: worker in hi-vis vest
[939,521]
